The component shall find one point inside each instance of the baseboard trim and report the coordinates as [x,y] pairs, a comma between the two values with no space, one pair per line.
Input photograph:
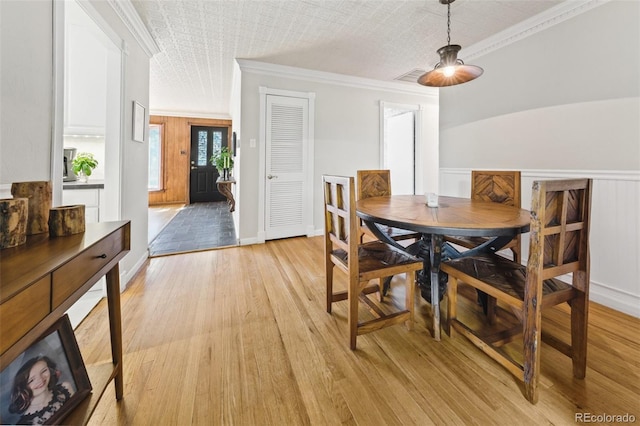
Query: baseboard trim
[127,276]
[250,241]
[615,299]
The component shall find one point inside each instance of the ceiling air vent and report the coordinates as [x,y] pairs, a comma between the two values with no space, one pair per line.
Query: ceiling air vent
[411,76]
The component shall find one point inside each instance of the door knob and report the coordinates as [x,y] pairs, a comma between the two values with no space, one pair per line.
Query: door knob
[272,177]
[193,167]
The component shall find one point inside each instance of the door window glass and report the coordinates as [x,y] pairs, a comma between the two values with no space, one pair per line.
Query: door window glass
[203,141]
[217,141]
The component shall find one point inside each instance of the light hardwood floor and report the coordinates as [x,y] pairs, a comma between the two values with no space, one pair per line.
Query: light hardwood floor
[241,337]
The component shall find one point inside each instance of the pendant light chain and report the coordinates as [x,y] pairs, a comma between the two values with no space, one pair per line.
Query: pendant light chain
[448,23]
[450,70]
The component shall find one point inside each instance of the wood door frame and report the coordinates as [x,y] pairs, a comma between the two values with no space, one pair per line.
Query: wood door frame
[262,156]
[178,148]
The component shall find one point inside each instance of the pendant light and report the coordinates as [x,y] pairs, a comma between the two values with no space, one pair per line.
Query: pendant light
[450,70]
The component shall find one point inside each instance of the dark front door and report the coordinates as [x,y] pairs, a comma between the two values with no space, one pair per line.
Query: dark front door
[205,141]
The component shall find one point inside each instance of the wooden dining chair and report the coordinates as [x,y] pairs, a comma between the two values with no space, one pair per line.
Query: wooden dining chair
[559,245]
[361,262]
[377,183]
[498,187]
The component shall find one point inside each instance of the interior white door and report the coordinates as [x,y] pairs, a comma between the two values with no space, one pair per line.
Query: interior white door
[286,164]
[399,146]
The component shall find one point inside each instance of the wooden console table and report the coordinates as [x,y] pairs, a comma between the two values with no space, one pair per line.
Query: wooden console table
[224,186]
[40,280]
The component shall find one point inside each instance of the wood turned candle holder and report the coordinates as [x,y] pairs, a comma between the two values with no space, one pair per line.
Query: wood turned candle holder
[66,220]
[13,221]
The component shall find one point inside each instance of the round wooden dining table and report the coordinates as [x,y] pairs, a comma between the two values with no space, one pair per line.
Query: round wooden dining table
[453,216]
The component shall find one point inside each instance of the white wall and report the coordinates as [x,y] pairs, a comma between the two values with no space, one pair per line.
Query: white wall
[26,71]
[563,102]
[26,131]
[347,129]
[134,155]
[566,98]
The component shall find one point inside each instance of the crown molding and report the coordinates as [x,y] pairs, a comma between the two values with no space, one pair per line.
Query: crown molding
[127,13]
[256,67]
[189,114]
[542,21]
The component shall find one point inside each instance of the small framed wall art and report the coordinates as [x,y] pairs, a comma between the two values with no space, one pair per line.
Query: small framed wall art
[139,120]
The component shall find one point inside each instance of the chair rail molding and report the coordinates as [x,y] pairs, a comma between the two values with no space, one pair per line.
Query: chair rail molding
[615,231]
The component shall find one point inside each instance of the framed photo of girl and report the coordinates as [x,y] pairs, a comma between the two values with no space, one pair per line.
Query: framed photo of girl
[47,381]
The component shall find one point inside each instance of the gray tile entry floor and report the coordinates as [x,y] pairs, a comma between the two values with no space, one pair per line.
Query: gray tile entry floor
[198,226]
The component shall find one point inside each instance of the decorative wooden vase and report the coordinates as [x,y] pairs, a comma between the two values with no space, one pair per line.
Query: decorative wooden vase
[39,195]
[13,222]
[66,220]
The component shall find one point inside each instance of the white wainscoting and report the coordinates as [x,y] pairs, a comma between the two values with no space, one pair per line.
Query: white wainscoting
[5,191]
[615,228]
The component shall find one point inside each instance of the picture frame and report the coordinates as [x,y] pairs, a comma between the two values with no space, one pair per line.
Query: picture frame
[139,115]
[233,144]
[50,369]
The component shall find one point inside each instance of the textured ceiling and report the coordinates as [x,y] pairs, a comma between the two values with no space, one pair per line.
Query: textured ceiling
[378,39]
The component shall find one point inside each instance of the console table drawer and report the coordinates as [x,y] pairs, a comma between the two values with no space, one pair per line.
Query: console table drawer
[68,278]
[23,311]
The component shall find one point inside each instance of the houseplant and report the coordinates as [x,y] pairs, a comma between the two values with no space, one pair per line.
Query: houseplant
[222,160]
[83,165]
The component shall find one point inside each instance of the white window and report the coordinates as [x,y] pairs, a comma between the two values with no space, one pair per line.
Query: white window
[155,157]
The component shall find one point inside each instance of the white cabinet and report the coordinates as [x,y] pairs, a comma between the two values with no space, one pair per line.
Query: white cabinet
[85,75]
[91,198]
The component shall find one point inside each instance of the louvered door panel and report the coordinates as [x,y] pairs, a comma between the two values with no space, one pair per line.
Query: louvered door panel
[286,208]
[286,166]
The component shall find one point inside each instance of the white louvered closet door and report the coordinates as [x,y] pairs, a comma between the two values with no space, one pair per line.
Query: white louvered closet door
[287,140]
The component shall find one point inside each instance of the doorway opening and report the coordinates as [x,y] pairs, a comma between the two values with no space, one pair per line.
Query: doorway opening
[188,207]
[398,147]
[88,58]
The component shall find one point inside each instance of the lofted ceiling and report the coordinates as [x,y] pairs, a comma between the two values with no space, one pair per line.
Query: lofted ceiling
[377,39]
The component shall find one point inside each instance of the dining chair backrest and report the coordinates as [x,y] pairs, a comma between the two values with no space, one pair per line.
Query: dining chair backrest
[373,183]
[377,183]
[496,186]
[341,224]
[559,239]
